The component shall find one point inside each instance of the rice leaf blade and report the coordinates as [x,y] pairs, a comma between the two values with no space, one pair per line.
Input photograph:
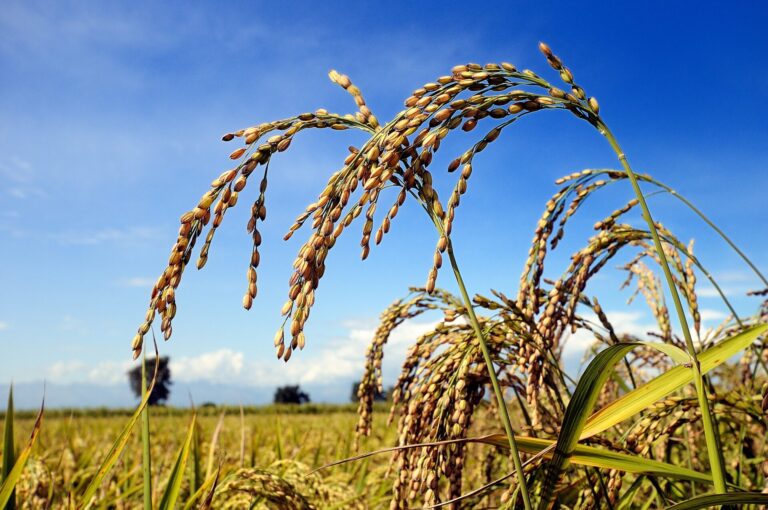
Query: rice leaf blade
[119,445]
[713,500]
[205,491]
[9,454]
[7,489]
[605,459]
[633,402]
[171,493]
[146,452]
[583,400]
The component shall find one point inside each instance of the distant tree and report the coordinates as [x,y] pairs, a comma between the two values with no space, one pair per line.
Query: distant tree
[162,389]
[378,397]
[290,395]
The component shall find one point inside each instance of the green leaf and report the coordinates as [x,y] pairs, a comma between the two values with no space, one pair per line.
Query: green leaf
[197,474]
[629,495]
[583,400]
[119,445]
[7,489]
[146,450]
[597,457]
[9,455]
[594,377]
[171,493]
[733,498]
[668,382]
[206,491]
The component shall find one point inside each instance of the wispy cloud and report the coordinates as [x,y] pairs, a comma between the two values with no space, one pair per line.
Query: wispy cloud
[728,290]
[4,325]
[137,281]
[222,366]
[105,372]
[338,361]
[16,179]
[128,235]
[342,358]
[625,322]
[711,315]
[71,324]
[23,193]
[15,169]
[55,35]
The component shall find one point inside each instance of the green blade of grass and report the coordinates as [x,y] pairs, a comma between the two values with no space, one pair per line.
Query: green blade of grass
[713,500]
[7,489]
[197,475]
[278,438]
[9,455]
[629,495]
[119,445]
[171,493]
[205,492]
[242,436]
[672,380]
[146,453]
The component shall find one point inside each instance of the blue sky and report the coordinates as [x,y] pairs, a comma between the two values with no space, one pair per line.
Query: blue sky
[110,123]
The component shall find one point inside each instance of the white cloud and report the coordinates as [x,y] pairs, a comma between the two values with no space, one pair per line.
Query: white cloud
[731,276]
[222,366]
[343,358]
[137,281]
[105,372]
[624,322]
[3,325]
[338,360]
[129,235]
[728,290]
[708,314]
[709,292]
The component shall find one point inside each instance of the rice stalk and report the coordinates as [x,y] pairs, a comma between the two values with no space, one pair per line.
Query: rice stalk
[518,348]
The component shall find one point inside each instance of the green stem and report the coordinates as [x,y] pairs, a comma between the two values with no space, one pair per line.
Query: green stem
[503,411]
[146,458]
[714,227]
[710,433]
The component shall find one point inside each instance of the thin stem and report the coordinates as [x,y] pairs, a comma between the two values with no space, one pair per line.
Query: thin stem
[503,411]
[716,229]
[146,458]
[710,433]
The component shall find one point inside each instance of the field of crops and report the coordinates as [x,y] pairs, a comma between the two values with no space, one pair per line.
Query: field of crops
[265,458]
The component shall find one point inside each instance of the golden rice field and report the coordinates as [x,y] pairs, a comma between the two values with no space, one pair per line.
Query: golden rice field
[259,447]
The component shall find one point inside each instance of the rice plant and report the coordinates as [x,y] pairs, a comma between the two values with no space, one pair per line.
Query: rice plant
[484,413]
[515,351]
